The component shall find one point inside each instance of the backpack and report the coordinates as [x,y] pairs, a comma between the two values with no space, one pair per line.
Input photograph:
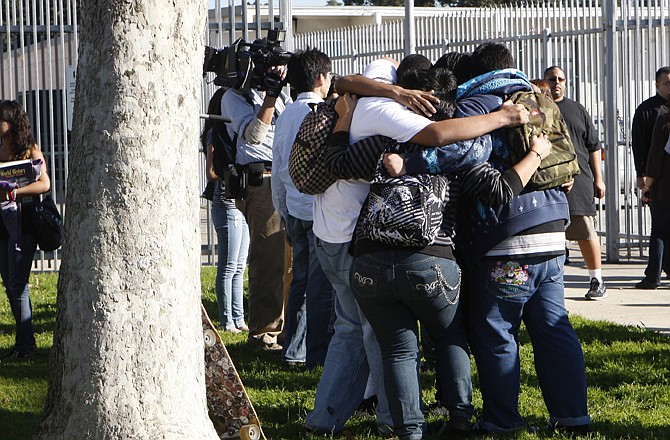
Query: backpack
[561,165]
[306,164]
[403,211]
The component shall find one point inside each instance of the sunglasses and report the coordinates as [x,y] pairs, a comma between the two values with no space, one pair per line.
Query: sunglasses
[556,79]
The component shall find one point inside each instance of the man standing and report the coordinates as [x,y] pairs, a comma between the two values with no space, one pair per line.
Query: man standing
[643,122]
[253,115]
[588,182]
[310,300]
[643,126]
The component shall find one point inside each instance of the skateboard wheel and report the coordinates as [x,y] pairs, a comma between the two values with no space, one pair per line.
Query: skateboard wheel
[210,338]
[250,432]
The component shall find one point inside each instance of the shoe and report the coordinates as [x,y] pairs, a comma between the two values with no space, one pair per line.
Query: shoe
[233,330]
[597,290]
[570,431]
[459,426]
[645,284]
[293,365]
[243,327]
[385,432]
[273,348]
[16,355]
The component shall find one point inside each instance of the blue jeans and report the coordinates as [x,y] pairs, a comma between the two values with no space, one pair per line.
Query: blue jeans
[310,302]
[395,289]
[659,240]
[232,236]
[15,271]
[353,353]
[502,293]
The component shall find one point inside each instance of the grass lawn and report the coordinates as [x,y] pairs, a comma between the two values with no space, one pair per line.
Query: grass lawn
[628,371]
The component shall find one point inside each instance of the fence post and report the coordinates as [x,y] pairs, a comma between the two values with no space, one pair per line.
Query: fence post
[611,136]
[410,28]
[546,49]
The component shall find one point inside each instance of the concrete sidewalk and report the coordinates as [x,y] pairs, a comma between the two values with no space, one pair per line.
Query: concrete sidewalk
[649,309]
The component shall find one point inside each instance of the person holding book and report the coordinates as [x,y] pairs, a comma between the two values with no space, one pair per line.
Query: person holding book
[16,256]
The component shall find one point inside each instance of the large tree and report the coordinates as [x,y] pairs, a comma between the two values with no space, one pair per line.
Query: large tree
[127,358]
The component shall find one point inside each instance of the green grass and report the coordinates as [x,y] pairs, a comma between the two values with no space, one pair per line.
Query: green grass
[627,370]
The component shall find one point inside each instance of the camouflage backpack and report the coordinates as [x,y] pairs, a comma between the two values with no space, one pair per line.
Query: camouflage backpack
[561,165]
[306,162]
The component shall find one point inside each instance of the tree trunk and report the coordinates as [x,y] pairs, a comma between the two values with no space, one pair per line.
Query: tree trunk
[127,359]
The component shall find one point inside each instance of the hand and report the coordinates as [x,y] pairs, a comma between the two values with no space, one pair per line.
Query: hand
[345,105]
[599,188]
[419,101]
[641,182]
[514,114]
[394,164]
[541,145]
[274,80]
[567,186]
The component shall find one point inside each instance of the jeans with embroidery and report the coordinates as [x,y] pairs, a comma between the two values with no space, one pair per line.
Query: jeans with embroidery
[395,290]
[353,353]
[503,292]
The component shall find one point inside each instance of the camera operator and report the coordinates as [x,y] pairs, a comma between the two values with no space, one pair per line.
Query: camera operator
[253,115]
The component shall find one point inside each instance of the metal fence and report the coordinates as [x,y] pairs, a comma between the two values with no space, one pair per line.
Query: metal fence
[609,53]
[39,42]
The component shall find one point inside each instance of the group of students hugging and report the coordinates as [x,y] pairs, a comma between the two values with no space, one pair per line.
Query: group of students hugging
[496,261]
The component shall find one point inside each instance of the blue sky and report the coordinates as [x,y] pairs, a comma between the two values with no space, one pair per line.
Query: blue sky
[295,3]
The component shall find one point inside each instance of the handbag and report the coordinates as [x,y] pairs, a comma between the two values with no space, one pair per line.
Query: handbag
[405,210]
[48,225]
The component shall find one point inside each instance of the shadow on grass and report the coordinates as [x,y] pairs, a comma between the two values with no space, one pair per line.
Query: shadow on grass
[15,424]
[627,372]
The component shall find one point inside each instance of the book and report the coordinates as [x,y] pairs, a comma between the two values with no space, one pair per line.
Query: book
[19,172]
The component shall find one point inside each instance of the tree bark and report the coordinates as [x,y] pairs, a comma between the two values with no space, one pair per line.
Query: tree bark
[127,359]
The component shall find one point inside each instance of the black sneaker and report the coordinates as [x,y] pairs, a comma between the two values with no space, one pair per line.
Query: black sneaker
[645,284]
[571,431]
[459,426]
[597,290]
[16,356]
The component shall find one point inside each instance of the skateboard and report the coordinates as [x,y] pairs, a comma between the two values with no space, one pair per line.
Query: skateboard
[230,408]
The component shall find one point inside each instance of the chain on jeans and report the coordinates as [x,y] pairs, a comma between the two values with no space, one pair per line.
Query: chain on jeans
[442,283]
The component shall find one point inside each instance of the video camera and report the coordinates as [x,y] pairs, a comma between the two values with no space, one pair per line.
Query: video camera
[243,66]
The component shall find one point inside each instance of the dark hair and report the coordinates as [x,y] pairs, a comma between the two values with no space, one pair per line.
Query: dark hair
[20,130]
[550,68]
[411,63]
[662,71]
[458,63]
[213,108]
[442,82]
[542,85]
[304,68]
[491,56]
